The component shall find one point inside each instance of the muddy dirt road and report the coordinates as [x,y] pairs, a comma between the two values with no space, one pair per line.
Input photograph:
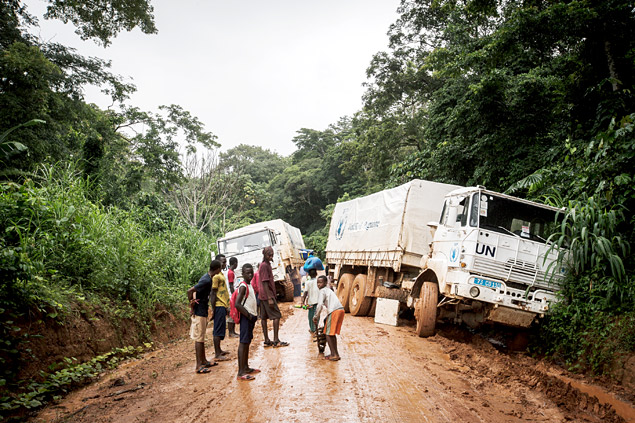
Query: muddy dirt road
[386,374]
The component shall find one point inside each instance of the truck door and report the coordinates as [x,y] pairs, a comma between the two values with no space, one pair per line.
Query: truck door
[452,229]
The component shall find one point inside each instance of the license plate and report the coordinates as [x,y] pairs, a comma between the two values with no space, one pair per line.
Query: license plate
[487,283]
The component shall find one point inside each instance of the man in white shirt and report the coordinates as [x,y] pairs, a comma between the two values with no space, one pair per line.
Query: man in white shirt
[310,297]
[327,298]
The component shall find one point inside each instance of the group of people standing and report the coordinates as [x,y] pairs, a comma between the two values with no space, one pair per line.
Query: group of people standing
[252,300]
[255,297]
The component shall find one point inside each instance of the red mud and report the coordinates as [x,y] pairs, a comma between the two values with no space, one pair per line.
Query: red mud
[386,374]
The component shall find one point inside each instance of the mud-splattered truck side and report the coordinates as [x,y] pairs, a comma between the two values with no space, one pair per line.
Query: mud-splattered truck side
[463,254]
[246,245]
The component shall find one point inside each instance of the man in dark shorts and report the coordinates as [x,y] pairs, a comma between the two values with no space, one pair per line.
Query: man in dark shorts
[198,295]
[267,296]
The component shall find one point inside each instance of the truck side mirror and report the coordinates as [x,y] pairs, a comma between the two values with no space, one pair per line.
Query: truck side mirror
[452,215]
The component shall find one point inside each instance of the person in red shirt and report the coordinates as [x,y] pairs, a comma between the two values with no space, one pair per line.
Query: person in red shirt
[231,279]
[267,296]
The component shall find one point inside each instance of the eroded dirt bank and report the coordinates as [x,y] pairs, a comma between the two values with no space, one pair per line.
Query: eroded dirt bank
[386,374]
[86,332]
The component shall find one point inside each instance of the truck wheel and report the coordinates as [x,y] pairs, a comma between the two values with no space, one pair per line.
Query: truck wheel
[344,289]
[288,289]
[426,310]
[280,291]
[359,303]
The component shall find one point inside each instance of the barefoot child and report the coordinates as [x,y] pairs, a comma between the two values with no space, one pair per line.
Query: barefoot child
[246,305]
[198,295]
[335,317]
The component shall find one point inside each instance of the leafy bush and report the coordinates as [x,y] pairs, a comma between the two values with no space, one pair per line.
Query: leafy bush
[595,253]
[583,338]
[592,328]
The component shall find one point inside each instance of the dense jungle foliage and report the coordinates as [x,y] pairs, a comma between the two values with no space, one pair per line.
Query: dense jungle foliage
[532,98]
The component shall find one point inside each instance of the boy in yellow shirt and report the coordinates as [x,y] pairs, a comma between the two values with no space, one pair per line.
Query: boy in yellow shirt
[219,301]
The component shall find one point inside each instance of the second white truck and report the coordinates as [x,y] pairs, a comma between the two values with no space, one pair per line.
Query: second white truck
[247,243]
[463,254]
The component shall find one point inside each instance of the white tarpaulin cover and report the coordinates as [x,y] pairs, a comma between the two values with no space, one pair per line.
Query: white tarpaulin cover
[388,228]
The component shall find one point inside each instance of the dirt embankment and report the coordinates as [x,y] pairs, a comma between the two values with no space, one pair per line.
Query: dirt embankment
[86,332]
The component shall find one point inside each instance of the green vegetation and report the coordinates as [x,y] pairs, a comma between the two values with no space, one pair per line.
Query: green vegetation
[593,328]
[57,243]
[533,98]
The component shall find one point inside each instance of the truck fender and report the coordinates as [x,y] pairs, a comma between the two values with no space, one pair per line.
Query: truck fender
[440,269]
[428,275]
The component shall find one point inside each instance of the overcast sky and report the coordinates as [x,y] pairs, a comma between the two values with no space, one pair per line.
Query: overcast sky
[254,72]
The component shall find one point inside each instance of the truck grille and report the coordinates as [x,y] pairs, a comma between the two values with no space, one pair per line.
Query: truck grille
[517,271]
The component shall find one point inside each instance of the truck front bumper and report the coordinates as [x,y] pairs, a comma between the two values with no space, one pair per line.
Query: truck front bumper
[493,291]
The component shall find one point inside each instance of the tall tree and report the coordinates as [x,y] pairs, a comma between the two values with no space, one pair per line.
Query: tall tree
[502,82]
[46,81]
[318,176]
[102,20]
[259,163]
[206,193]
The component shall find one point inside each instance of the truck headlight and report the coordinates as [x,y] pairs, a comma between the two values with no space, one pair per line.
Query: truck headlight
[474,291]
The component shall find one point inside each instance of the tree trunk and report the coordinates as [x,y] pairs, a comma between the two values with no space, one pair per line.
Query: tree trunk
[611,63]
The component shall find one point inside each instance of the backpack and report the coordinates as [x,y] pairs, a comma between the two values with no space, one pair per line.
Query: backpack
[233,311]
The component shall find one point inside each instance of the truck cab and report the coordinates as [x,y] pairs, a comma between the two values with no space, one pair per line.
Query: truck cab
[247,243]
[247,248]
[490,261]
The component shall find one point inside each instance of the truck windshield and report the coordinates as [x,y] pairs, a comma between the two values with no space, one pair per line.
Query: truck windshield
[513,217]
[245,243]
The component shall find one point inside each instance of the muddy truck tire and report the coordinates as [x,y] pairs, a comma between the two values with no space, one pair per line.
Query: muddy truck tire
[426,309]
[287,286]
[359,303]
[344,290]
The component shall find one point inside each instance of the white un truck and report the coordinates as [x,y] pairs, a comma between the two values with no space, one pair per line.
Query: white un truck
[463,254]
[247,243]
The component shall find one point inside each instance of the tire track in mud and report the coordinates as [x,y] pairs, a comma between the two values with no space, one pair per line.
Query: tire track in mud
[524,371]
[404,398]
[438,391]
